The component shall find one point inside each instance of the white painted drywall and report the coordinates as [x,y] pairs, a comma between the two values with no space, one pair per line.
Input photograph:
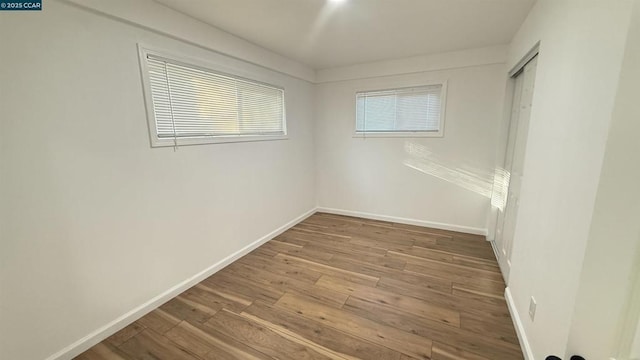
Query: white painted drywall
[93,221]
[156,17]
[444,180]
[606,281]
[635,346]
[581,52]
[416,64]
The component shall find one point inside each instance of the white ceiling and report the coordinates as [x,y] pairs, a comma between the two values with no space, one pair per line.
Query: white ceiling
[324,33]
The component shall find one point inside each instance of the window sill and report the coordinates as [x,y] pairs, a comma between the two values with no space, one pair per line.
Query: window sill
[415,134]
[168,142]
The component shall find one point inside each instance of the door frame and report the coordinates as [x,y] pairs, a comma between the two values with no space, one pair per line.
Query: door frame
[535,50]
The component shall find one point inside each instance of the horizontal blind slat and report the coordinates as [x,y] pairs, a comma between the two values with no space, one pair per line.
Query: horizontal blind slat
[191,102]
[399,110]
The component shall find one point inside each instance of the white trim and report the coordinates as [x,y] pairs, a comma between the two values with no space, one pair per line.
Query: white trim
[535,50]
[205,140]
[398,134]
[114,326]
[431,224]
[515,316]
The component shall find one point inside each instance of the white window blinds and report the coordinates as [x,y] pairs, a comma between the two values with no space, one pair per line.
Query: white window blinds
[189,101]
[416,109]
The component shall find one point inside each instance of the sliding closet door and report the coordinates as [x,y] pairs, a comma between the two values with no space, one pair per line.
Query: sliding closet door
[514,162]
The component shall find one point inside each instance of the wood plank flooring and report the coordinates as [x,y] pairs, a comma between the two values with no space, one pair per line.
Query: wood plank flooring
[336,287]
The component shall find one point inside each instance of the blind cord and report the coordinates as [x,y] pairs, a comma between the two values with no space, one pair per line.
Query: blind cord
[173,120]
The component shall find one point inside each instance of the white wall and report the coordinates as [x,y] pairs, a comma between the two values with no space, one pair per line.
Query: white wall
[94,222]
[607,275]
[635,346]
[151,15]
[444,181]
[416,64]
[581,51]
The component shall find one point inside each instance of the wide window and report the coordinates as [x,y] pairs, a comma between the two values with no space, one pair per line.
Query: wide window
[414,111]
[190,104]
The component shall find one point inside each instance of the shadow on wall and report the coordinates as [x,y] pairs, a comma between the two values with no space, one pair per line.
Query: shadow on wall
[492,186]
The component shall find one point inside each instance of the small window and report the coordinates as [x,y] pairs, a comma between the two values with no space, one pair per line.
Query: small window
[189,104]
[414,111]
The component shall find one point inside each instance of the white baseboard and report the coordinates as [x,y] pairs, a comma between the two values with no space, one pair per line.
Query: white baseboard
[435,225]
[114,326]
[517,322]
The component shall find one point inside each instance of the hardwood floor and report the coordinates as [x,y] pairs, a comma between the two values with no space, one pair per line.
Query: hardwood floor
[336,287]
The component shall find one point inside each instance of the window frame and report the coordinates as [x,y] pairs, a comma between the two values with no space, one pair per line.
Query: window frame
[203,65]
[403,134]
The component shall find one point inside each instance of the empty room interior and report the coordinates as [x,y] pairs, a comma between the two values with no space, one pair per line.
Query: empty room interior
[320,179]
